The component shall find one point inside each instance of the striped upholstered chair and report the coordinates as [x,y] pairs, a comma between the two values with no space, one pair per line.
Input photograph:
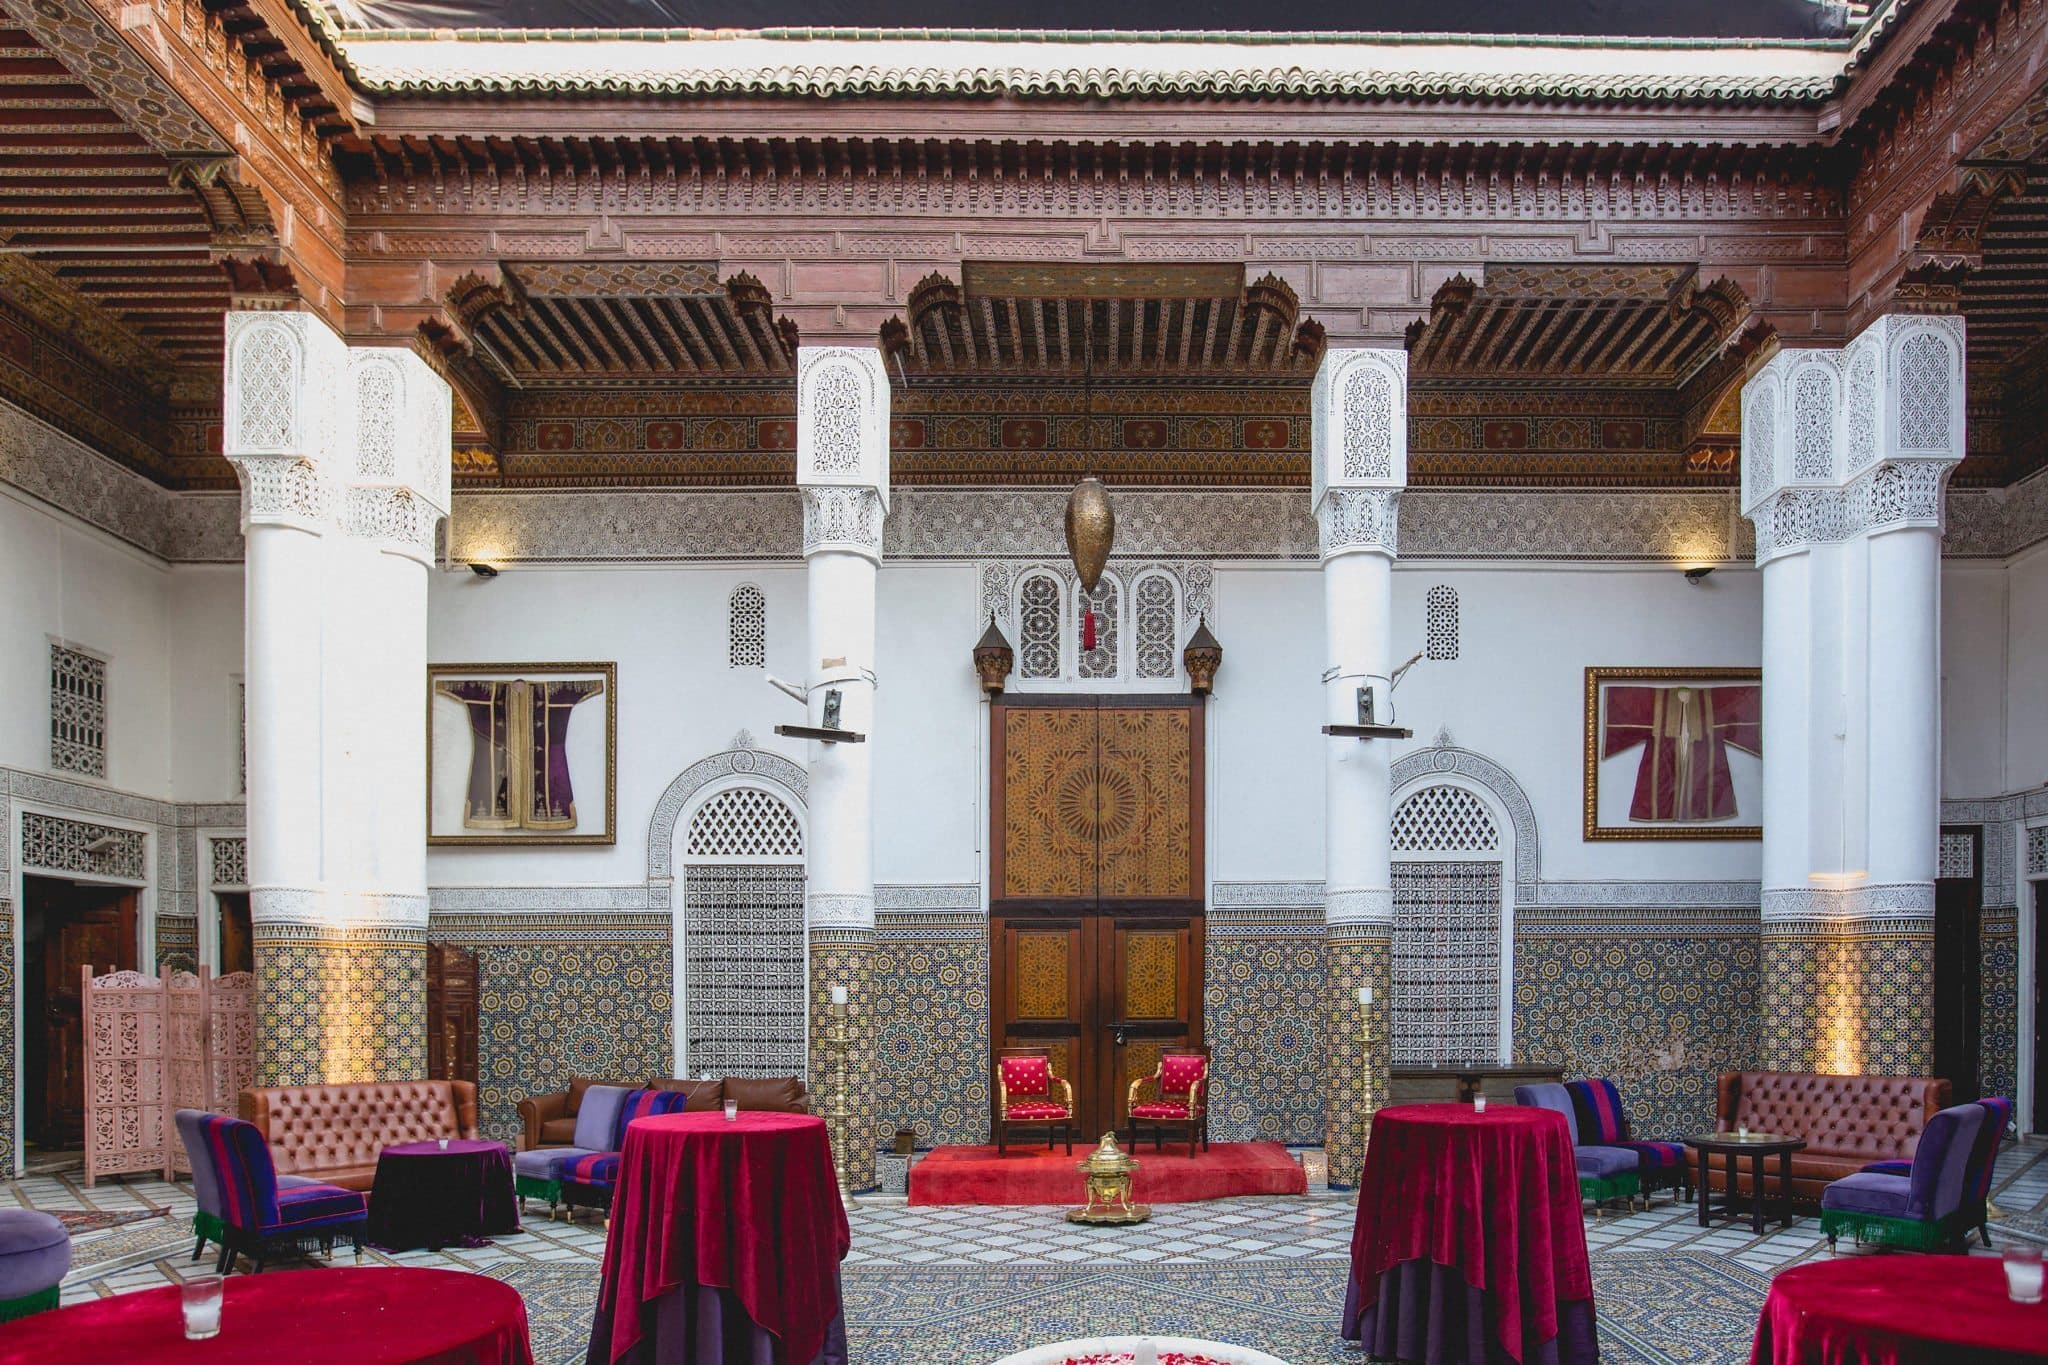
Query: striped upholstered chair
[1601,1121]
[251,1210]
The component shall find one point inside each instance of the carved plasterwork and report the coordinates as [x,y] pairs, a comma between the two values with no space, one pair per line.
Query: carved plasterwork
[761,765]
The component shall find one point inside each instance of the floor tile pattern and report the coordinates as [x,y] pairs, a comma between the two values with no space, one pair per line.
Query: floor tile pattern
[961,1286]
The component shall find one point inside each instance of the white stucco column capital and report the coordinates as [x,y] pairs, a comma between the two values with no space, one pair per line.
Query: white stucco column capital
[397,474]
[284,426]
[1358,422]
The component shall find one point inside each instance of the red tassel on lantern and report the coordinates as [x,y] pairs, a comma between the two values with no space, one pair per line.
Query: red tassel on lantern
[1087,629]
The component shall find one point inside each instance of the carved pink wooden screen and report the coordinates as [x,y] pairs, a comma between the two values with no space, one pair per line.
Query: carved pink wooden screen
[155,1046]
[125,1081]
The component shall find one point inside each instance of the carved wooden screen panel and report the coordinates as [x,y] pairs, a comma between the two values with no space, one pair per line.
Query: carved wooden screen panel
[125,1074]
[1049,779]
[186,1060]
[230,1039]
[1145,818]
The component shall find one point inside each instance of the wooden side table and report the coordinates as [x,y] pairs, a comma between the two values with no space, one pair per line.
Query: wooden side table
[1755,1146]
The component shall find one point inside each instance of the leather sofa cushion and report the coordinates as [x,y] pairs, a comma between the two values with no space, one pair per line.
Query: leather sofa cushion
[778,1094]
[558,1132]
[703,1095]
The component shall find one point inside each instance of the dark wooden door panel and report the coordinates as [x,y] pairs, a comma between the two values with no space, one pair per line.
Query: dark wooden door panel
[237,943]
[452,989]
[80,926]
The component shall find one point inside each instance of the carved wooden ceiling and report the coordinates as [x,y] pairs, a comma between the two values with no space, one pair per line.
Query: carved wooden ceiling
[1178,323]
[545,325]
[1645,327]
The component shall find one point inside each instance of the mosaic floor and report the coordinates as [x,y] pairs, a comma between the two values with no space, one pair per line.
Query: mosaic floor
[961,1286]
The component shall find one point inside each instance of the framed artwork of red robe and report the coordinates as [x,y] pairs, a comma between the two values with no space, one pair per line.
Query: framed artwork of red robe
[521,753]
[1679,751]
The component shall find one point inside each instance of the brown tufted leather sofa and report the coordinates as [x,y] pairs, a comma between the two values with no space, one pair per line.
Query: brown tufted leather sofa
[334,1132]
[1847,1121]
[550,1120]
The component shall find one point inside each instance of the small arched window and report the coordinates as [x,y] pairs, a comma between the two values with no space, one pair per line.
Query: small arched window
[747,628]
[1038,626]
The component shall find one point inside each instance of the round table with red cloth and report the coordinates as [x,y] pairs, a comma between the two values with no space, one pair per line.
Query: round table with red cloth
[427,1195]
[725,1243]
[1469,1245]
[1897,1310]
[369,1315]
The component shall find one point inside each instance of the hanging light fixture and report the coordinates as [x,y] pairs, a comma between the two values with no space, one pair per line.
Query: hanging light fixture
[1091,521]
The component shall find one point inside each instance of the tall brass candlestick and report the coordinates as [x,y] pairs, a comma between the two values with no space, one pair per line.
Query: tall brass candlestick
[840,1010]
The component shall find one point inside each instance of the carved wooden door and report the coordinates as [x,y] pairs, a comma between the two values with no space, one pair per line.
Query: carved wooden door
[1096,866]
[81,926]
[451,1013]
[237,941]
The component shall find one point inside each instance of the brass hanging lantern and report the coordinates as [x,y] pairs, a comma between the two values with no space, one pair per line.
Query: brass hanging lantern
[993,657]
[1091,530]
[1110,1174]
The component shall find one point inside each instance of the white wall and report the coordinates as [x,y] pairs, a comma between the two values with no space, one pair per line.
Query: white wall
[2026,672]
[931,809]
[172,637]
[1994,675]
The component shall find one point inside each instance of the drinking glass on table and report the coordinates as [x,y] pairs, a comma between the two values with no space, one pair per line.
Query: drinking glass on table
[200,1298]
[732,1111]
[2023,1274]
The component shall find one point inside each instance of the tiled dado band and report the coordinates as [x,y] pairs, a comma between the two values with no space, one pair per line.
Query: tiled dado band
[843,1049]
[1356,1049]
[931,1028]
[1848,997]
[339,1004]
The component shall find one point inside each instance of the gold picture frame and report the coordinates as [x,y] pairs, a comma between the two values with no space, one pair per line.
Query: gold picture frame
[1742,734]
[484,791]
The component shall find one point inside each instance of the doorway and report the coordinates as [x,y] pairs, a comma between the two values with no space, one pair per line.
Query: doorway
[1958,960]
[65,927]
[453,986]
[1096,912]
[237,941]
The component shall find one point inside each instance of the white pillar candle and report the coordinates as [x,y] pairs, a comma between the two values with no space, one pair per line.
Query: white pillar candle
[1365,995]
[839,995]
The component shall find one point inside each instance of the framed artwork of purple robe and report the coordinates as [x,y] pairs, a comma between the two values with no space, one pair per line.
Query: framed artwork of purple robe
[1674,753]
[521,753]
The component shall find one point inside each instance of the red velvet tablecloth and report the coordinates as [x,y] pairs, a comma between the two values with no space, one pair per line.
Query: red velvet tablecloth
[1897,1310]
[1493,1196]
[340,1316]
[749,1205]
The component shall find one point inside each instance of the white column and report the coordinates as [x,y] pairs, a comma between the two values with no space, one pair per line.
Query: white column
[343,459]
[843,469]
[1358,408]
[842,438]
[1359,411]
[1846,455]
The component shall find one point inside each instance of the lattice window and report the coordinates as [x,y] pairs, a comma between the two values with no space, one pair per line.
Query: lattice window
[745,822]
[745,1010]
[1107,602]
[61,845]
[1446,961]
[1440,628]
[746,626]
[78,712]
[1444,819]
[1155,627]
[1038,627]
[230,862]
[1958,856]
[2037,851]
[1923,393]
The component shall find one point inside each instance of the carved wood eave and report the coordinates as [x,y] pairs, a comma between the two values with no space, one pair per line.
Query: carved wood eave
[1081,122]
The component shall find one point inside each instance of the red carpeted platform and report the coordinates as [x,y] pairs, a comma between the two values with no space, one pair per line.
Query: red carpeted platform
[1032,1175]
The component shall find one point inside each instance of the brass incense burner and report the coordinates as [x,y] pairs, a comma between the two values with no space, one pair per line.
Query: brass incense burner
[1109,1174]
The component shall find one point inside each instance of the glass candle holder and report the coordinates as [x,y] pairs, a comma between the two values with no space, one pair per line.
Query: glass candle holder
[2022,1274]
[1146,1352]
[732,1111]
[1479,1104]
[200,1298]
[444,1144]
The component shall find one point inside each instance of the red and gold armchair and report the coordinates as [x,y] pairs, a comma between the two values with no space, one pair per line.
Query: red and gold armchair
[1029,1095]
[1180,1099]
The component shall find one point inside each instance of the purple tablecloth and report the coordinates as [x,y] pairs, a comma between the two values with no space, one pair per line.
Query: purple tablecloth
[427,1195]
